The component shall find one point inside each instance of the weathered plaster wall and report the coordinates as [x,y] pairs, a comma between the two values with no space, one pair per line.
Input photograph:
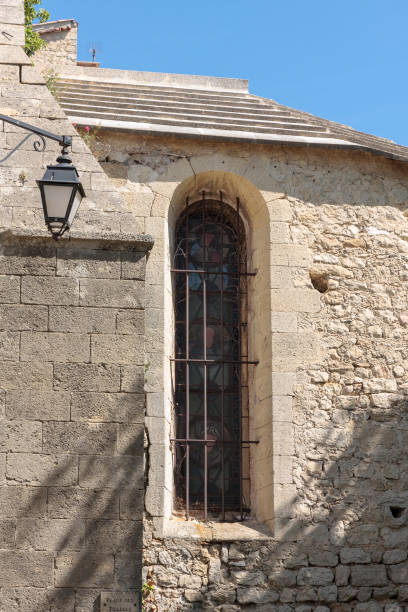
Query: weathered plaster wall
[338,379]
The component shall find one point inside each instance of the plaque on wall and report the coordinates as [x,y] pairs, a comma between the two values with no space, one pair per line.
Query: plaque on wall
[127,601]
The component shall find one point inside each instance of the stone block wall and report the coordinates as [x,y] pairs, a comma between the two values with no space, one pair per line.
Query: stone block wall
[333,401]
[72,414]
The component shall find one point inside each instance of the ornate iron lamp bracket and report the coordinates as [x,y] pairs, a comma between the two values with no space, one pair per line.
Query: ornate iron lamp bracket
[39,145]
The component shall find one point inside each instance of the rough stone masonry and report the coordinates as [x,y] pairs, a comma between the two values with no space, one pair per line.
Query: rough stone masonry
[328,310]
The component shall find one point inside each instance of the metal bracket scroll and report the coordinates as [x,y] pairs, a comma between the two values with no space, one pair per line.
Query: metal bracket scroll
[39,146]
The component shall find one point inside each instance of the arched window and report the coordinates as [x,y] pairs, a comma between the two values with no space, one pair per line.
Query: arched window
[211,444]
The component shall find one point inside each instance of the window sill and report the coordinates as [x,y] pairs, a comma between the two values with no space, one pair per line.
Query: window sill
[211,532]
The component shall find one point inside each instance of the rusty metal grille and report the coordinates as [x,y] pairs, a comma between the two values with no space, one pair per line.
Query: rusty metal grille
[212,443]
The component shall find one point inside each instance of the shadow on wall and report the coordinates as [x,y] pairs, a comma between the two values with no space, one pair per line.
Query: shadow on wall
[71,503]
[344,549]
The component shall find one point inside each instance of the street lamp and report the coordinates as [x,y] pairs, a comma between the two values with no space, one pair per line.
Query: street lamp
[60,187]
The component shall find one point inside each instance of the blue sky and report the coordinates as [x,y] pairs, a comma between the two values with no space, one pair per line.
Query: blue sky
[345,60]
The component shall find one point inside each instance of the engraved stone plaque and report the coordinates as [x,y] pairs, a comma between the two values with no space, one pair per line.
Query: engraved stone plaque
[120,602]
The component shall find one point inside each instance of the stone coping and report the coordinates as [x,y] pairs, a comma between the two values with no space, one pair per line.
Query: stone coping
[162,79]
[97,240]
[212,532]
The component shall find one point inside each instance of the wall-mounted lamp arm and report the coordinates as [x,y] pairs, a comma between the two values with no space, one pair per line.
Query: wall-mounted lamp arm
[64,141]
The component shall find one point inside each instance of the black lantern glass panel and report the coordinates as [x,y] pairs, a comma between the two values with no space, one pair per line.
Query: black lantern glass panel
[61,195]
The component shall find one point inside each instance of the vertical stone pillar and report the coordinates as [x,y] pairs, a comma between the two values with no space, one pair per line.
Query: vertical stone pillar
[72,420]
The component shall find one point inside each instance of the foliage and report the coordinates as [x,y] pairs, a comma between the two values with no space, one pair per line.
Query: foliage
[51,78]
[147,589]
[87,133]
[32,12]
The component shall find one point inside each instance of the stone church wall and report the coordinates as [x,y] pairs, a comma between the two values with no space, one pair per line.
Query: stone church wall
[338,233]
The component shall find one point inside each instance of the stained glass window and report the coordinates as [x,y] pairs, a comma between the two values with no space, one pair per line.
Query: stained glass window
[210,371]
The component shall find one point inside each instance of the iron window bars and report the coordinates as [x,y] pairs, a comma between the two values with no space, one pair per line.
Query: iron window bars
[212,443]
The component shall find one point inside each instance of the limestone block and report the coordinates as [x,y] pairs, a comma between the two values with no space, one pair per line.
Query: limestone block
[111,293]
[354,555]
[295,300]
[283,383]
[81,438]
[254,595]
[27,599]
[54,346]
[323,558]
[49,290]
[133,266]
[159,430]
[18,502]
[84,570]
[314,576]
[31,75]
[10,73]
[114,536]
[131,504]
[370,575]
[70,503]
[158,500]
[190,580]
[2,469]
[12,14]
[286,529]
[20,436]
[41,534]
[394,556]
[279,232]
[37,261]
[108,407]
[282,410]
[283,439]
[114,348]
[280,210]
[284,499]
[83,263]
[21,317]
[39,470]
[38,405]
[280,277]
[130,322]
[130,439]
[398,573]
[128,571]
[9,289]
[86,377]
[155,404]
[9,346]
[327,594]
[132,378]
[284,322]
[289,255]
[21,568]
[110,472]
[7,534]
[342,575]
[82,319]
[15,35]
[25,375]
[247,578]
[264,502]
[291,350]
